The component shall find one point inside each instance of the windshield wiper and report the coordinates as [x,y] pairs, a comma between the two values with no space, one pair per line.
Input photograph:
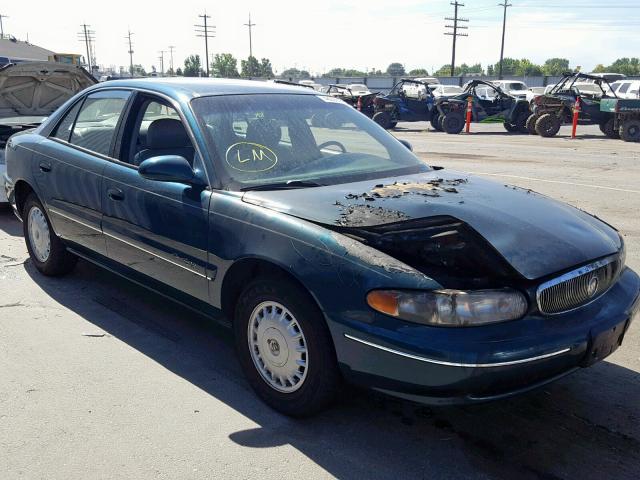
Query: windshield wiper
[291,184]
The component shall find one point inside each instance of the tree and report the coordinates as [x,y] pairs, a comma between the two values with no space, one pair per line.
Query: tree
[526,68]
[418,72]
[294,73]
[395,69]
[463,69]
[250,67]
[179,72]
[627,66]
[192,66]
[555,66]
[266,68]
[225,65]
[344,72]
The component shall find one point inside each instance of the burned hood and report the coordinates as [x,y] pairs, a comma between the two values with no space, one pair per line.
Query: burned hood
[37,89]
[536,235]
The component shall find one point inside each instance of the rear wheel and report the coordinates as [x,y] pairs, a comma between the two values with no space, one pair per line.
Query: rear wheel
[453,122]
[531,124]
[285,347]
[608,128]
[393,124]
[46,250]
[509,127]
[435,122]
[548,125]
[383,119]
[521,121]
[630,130]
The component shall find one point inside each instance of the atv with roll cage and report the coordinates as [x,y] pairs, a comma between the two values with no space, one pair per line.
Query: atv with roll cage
[364,103]
[490,104]
[555,108]
[408,101]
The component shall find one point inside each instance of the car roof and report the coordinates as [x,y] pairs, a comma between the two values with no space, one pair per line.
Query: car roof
[201,87]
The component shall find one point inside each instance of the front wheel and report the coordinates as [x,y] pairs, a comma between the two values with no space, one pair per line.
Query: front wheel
[608,128]
[548,125]
[46,250]
[630,130]
[509,127]
[531,124]
[435,122]
[453,122]
[285,347]
[383,119]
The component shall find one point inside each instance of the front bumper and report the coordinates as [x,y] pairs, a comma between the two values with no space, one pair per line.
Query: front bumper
[4,197]
[8,191]
[453,366]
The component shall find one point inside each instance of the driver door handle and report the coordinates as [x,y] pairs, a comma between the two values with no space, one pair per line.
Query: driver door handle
[45,167]
[115,194]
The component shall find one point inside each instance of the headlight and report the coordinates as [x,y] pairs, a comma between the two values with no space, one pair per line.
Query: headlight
[450,308]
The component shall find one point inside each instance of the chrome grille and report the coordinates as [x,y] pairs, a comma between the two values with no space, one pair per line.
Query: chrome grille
[580,286]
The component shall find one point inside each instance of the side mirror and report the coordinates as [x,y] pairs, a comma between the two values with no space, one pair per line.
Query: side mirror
[168,168]
[406,144]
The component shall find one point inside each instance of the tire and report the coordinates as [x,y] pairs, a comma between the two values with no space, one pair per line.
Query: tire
[608,128]
[46,250]
[383,119]
[630,130]
[510,127]
[521,121]
[548,125]
[435,122]
[531,124]
[315,384]
[393,125]
[453,123]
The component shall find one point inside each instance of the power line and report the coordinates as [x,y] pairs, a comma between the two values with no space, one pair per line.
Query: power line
[250,25]
[1,27]
[87,36]
[204,31]
[171,48]
[161,58]
[129,33]
[454,33]
[504,28]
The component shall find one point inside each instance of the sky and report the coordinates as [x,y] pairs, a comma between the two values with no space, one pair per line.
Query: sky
[322,34]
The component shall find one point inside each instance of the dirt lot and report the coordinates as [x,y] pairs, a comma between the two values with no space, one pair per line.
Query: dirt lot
[101,379]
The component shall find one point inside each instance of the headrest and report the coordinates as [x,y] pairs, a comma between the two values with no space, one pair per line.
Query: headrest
[264,132]
[167,133]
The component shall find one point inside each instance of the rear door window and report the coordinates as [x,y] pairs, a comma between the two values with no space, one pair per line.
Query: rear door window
[95,127]
[63,130]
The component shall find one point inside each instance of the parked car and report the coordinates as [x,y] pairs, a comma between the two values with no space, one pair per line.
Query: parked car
[333,253]
[408,101]
[626,89]
[31,91]
[489,105]
[626,114]
[359,89]
[555,108]
[514,87]
[445,90]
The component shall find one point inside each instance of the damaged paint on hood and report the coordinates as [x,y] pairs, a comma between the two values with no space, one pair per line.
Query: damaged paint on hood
[538,236]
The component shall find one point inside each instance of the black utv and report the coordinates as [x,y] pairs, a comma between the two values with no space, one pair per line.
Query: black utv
[490,105]
[555,108]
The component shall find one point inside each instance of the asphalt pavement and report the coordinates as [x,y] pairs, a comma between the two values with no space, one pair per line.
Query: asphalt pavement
[100,378]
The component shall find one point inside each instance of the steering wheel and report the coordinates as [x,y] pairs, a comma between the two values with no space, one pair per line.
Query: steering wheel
[332,142]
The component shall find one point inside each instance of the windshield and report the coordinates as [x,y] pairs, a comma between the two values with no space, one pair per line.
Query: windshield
[278,138]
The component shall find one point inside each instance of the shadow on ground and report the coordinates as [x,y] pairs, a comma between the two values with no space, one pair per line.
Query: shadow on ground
[585,426]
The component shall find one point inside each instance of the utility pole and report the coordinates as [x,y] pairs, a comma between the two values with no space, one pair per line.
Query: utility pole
[130,52]
[204,30]
[504,28]
[171,48]
[86,36]
[250,25]
[455,32]
[1,27]
[161,58]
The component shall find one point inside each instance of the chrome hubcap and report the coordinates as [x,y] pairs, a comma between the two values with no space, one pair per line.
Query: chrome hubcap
[278,347]
[39,236]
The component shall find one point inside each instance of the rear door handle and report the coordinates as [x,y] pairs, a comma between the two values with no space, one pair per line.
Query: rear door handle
[45,167]
[115,194]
